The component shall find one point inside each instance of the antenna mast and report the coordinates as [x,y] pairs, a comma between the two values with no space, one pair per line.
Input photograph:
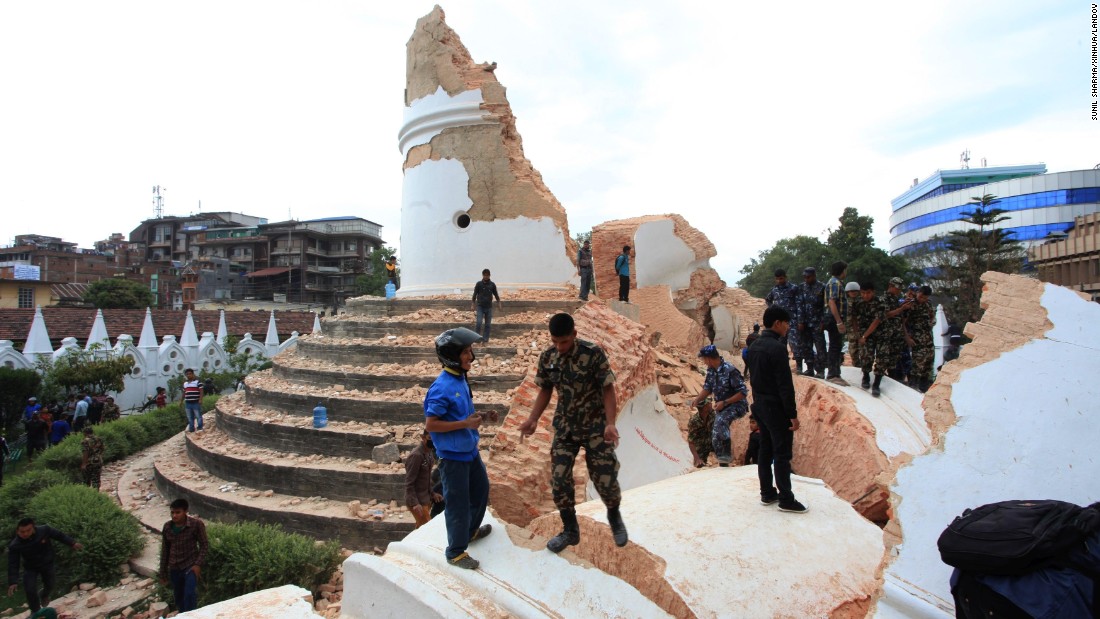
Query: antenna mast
[158,201]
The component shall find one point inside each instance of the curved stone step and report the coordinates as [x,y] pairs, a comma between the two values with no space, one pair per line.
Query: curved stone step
[347,408]
[352,379]
[377,306]
[331,479]
[174,476]
[335,440]
[375,330]
[342,352]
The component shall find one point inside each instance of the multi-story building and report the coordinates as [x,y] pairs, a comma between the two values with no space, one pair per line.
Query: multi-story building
[1037,203]
[176,239]
[59,261]
[1071,259]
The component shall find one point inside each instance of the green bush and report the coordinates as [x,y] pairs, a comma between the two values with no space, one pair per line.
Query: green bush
[248,557]
[110,535]
[18,491]
[121,438]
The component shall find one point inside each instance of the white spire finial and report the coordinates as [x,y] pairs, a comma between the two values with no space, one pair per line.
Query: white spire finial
[38,340]
[148,337]
[98,334]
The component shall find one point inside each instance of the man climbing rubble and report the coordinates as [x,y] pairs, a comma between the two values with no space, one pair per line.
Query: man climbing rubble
[585,417]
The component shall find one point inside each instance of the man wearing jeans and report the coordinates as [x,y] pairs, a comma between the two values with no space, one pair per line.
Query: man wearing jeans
[622,269]
[192,400]
[484,292]
[774,410]
[182,553]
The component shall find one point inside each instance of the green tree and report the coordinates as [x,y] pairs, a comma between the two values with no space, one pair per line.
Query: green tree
[118,293]
[581,237]
[853,242]
[16,385]
[958,260]
[373,282]
[88,371]
[793,254]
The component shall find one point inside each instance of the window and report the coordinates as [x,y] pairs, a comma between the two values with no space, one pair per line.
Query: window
[26,298]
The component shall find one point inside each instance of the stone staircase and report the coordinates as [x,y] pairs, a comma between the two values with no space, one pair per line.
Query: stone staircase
[259,457]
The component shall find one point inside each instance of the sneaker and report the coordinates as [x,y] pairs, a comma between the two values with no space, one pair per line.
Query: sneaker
[464,561]
[793,507]
[809,372]
[771,500]
[820,374]
[482,532]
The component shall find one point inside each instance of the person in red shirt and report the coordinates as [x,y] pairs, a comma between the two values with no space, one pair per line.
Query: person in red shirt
[162,397]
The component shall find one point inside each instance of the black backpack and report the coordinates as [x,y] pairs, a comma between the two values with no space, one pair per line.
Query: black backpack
[1016,537]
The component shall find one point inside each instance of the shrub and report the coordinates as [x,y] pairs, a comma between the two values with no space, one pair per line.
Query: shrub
[110,535]
[18,491]
[121,438]
[248,557]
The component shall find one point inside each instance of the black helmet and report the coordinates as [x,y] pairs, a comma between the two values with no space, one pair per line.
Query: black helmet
[450,343]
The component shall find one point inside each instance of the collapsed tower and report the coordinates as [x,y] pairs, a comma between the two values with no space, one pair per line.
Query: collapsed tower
[470,197]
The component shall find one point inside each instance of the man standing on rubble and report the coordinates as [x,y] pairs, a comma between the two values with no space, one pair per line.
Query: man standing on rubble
[724,382]
[775,410]
[786,295]
[585,417]
[584,268]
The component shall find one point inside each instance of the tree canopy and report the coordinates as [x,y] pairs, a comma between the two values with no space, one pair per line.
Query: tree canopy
[373,282]
[851,242]
[118,293]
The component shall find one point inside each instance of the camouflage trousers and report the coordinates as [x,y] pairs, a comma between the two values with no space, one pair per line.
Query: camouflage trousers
[887,353]
[599,455]
[720,436]
[924,355]
[863,355]
[795,342]
[91,475]
[699,436]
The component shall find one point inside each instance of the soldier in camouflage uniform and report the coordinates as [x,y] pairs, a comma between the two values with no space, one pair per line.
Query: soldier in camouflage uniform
[111,411]
[890,335]
[700,427]
[919,324]
[585,417]
[811,323]
[91,464]
[724,382]
[788,296]
[864,316]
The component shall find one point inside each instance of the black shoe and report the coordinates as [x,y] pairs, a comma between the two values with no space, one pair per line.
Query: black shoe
[793,507]
[820,374]
[809,371]
[570,534]
[618,528]
[482,532]
[866,382]
[875,387]
[771,499]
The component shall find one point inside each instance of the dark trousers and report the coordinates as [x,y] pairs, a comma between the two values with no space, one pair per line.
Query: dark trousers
[484,317]
[624,287]
[466,493]
[185,586]
[836,348]
[30,585]
[776,442]
[813,347]
[586,282]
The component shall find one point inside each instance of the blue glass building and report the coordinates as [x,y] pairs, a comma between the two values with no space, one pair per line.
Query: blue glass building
[1037,203]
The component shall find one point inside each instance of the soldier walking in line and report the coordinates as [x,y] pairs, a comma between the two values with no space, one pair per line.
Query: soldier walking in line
[865,316]
[919,324]
[811,323]
[787,296]
[836,314]
[585,417]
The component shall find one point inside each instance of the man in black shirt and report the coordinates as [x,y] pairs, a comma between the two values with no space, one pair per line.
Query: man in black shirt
[484,292]
[32,544]
[774,410]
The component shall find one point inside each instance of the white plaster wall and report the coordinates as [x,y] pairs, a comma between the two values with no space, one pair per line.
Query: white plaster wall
[727,328]
[1026,429]
[437,256]
[286,602]
[651,447]
[661,257]
[896,416]
[428,116]
[413,580]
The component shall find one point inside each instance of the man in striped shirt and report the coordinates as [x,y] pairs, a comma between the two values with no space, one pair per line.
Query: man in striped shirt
[192,400]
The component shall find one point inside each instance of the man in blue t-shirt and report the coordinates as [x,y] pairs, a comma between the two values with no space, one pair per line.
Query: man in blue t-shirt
[622,269]
[452,422]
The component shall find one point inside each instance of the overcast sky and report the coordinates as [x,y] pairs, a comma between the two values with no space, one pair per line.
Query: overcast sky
[755,121]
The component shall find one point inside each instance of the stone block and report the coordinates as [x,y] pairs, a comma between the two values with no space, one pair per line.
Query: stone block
[99,598]
[385,454]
